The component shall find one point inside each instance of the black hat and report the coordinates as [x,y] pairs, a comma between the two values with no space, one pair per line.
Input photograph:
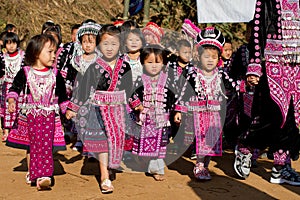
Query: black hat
[210,36]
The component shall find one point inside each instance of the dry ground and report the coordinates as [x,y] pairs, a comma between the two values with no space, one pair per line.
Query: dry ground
[75,179]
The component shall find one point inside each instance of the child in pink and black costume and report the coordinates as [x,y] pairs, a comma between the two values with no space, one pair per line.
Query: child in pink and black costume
[99,105]
[11,62]
[203,95]
[153,99]
[38,129]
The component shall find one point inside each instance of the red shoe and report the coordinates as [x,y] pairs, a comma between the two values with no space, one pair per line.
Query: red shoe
[201,172]
[4,137]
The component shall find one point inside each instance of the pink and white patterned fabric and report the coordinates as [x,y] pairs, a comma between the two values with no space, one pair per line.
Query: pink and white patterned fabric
[207,121]
[208,133]
[12,66]
[282,157]
[283,60]
[39,127]
[114,123]
[151,142]
[41,133]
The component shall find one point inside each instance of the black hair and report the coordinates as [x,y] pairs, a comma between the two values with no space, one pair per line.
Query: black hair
[96,38]
[157,49]
[46,25]
[109,29]
[228,40]
[12,37]
[35,46]
[183,43]
[56,30]
[74,27]
[126,26]
[9,27]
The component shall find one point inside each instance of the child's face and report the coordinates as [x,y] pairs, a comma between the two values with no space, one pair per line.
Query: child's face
[88,43]
[227,51]
[150,39]
[209,59]
[109,46]
[47,55]
[73,35]
[11,47]
[14,30]
[153,64]
[133,42]
[185,54]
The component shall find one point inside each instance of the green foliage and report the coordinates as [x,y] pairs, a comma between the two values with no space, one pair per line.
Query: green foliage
[29,16]
[171,14]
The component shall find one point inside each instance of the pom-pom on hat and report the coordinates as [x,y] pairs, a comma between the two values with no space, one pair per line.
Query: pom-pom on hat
[190,29]
[88,28]
[210,36]
[118,23]
[153,29]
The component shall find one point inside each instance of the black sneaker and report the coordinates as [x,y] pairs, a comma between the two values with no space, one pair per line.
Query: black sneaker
[285,175]
[242,163]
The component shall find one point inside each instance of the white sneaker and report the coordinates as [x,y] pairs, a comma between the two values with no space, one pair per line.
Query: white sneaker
[242,163]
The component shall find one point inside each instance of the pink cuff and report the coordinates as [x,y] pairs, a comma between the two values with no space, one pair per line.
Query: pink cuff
[181,108]
[12,95]
[73,106]
[63,106]
[243,86]
[134,103]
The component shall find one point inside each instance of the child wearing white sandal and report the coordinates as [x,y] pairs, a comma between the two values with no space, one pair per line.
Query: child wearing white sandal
[39,129]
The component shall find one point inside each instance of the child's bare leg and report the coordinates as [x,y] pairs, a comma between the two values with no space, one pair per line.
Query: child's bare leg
[27,177]
[106,186]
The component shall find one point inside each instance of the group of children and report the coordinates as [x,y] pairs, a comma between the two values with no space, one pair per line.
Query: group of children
[122,92]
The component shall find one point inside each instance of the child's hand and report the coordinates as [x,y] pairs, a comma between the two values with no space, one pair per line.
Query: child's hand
[252,80]
[177,118]
[11,105]
[139,108]
[70,114]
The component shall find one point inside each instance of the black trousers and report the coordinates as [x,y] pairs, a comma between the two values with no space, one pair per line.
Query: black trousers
[264,127]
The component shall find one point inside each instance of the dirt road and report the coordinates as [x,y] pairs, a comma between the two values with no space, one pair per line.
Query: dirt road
[75,179]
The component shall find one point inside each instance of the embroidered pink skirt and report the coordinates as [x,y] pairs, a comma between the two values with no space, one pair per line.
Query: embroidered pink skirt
[19,136]
[208,132]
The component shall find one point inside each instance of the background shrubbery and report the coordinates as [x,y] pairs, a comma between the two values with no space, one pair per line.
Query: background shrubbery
[29,15]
